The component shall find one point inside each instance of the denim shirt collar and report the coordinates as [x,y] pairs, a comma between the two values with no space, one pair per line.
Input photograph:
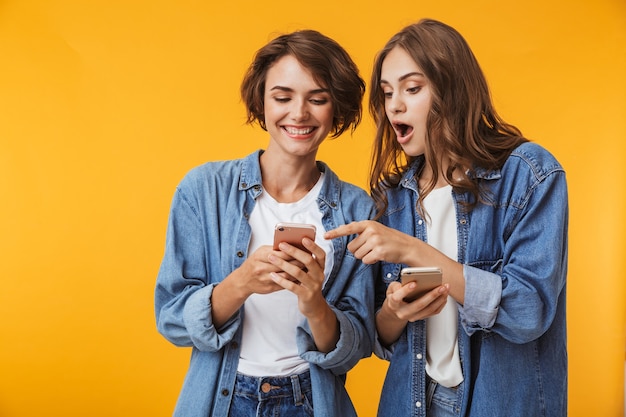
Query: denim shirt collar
[250,178]
[409,178]
[486,174]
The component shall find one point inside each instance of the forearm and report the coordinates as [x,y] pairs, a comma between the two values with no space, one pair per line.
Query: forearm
[226,300]
[325,329]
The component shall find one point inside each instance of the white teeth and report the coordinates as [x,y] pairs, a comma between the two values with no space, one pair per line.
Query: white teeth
[296,131]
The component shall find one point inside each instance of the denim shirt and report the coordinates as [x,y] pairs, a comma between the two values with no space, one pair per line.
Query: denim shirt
[207,238]
[512,328]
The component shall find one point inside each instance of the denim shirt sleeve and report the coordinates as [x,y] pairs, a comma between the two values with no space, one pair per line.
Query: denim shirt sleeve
[183,291]
[198,320]
[381,351]
[345,345]
[356,326]
[532,270]
[482,294]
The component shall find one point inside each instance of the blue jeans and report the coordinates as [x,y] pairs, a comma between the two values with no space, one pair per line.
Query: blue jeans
[441,401]
[288,396]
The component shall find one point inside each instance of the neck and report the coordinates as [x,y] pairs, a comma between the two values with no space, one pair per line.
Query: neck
[287,184]
[427,175]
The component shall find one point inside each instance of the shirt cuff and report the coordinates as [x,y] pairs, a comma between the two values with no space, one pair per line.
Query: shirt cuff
[483,291]
[198,319]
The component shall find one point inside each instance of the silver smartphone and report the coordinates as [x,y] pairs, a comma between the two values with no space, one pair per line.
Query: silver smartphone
[293,233]
[427,278]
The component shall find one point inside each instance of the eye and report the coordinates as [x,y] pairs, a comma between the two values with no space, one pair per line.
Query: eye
[319,101]
[413,90]
[387,94]
[282,99]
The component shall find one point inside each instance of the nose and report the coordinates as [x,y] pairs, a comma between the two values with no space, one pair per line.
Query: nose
[395,104]
[299,110]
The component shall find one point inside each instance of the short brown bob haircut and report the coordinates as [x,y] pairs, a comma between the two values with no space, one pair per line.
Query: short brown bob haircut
[330,65]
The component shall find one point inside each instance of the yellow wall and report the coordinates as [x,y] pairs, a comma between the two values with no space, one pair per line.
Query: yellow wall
[104,105]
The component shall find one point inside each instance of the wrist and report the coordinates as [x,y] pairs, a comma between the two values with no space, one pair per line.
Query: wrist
[232,285]
[413,253]
[389,316]
[318,314]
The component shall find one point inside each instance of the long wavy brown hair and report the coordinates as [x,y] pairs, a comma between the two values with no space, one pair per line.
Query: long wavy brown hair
[462,125]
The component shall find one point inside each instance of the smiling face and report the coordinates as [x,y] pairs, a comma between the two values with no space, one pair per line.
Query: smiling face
[407,100]
[298,111]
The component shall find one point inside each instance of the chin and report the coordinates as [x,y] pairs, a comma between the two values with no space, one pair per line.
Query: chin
[413,151]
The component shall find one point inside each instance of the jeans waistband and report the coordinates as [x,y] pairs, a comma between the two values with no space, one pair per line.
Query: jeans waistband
[274,386]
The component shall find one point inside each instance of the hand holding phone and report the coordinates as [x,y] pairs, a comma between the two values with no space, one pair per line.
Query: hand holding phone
[426,278]
[293,233]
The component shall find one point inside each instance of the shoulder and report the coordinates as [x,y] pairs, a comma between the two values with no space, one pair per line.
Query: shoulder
[530,172]
[354,192]
[213,168]
[534,157]
[208,173]
[349,197]
[226,172]
[333,182]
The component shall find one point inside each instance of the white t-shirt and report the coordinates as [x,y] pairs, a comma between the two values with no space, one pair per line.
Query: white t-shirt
[443,363]
[268,346]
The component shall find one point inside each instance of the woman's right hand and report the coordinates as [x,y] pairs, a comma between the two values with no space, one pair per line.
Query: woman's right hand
[252,277]
[395,313]
[377,242]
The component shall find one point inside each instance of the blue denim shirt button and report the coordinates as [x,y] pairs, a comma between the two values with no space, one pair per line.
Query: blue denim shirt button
[239,254]
[420,221]
[419,356]
[418,404]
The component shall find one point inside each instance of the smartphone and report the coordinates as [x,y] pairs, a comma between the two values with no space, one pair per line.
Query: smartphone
[293,233]
[427,279]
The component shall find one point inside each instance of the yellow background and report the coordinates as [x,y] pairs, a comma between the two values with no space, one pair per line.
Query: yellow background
[104,105]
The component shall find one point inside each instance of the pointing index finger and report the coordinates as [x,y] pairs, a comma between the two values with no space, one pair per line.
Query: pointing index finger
[345,230]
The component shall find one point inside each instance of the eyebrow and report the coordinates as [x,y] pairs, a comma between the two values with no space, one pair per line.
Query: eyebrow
[290,90]
[405,76]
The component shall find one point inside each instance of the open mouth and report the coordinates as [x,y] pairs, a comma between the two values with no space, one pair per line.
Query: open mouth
[402,130]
